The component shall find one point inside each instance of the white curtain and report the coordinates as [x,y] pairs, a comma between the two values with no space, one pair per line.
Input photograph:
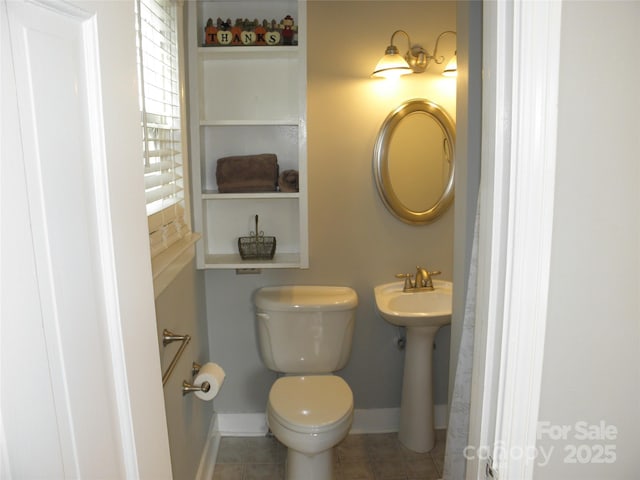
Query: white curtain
[458,430]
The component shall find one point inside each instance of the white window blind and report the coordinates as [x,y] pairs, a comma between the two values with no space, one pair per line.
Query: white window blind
[160,106]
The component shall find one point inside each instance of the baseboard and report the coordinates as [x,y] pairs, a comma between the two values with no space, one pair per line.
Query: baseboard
[371,420]
[242,424]
[375,420]
[210,451]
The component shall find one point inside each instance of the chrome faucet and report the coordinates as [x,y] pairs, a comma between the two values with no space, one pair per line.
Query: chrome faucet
[422,281]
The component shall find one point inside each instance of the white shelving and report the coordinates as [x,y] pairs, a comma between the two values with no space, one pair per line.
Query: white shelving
[247,100]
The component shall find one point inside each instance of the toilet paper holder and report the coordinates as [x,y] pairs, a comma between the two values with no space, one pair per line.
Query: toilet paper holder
[190,388]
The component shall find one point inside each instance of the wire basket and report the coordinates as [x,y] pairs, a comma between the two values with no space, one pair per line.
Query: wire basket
[256,246]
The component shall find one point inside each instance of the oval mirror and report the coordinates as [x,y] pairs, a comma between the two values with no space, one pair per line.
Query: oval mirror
[413,161]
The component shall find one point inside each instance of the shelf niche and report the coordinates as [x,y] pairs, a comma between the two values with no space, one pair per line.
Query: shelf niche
[247,100]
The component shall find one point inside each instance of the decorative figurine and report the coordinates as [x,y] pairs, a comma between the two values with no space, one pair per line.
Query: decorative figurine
[210,34]
[261,32]
[287,30]
[236,32]
[224,33]
[249,32]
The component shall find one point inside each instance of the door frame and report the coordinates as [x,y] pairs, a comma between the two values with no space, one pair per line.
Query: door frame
[521,60]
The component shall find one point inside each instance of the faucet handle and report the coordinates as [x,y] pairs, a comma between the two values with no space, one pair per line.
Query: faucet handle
[407,280]
[429,281]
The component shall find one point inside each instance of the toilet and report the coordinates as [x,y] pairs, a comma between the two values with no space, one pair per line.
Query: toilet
[305,333]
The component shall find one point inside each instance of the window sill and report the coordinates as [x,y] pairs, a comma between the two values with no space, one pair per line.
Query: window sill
[167,264]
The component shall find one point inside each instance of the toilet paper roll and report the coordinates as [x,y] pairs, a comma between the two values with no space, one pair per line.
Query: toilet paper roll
[214,375]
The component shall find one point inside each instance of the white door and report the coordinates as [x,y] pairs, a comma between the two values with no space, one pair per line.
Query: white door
[81,395]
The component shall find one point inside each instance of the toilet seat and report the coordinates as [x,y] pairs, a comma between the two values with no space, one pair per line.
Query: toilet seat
[310,404]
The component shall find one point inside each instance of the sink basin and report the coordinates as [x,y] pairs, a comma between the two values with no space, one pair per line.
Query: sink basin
[427,308]
[422,313]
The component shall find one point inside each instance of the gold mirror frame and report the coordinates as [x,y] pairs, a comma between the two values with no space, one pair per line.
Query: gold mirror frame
[381,162]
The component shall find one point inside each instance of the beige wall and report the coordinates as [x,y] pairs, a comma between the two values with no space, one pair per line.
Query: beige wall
[354,240]
[180,308]
[591,369]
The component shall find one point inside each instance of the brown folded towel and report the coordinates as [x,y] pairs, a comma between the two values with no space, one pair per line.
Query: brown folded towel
[247,173]
[288,181]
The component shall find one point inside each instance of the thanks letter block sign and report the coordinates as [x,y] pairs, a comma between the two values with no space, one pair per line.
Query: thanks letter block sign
[244,32]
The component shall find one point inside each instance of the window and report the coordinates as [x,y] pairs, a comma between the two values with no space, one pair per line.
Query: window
[158,42]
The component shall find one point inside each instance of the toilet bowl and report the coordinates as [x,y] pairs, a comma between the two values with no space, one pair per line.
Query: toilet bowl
[305,332]
[310,415]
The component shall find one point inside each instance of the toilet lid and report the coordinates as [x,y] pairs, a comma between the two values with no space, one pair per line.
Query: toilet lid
[315,402]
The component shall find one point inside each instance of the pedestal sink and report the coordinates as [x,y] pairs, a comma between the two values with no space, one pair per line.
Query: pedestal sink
[422,313]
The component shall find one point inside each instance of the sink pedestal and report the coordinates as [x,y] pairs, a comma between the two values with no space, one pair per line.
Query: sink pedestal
[422,312]
[416,406]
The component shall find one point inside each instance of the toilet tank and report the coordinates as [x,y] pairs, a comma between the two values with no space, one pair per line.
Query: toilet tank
[305,329]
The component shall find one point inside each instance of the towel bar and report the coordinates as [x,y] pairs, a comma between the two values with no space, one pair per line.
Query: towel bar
[167,338]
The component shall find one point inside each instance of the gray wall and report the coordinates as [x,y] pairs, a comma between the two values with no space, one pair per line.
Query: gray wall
[591,369]
[180,308]
[354,240]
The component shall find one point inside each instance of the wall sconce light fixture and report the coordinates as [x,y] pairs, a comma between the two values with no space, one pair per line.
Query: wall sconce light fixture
[416,60]
[451,70]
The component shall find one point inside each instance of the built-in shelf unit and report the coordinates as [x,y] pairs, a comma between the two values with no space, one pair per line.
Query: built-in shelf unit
[246,100]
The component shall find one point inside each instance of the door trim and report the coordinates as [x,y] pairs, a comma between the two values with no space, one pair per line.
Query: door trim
[521,74]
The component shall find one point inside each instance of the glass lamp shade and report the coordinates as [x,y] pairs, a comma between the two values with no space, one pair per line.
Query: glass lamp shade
[391,66]
[451,70]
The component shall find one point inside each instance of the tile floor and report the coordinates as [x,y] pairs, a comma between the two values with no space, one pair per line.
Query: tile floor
[358,457]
